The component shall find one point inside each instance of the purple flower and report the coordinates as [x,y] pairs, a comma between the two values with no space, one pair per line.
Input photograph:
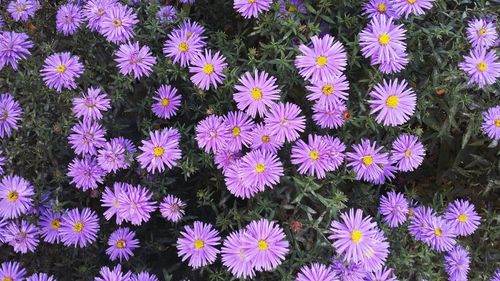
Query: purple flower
[95,10]
[161,150]
[496,277]
[291,8]
[41,277]
[3,226]
[225,158]
[394,64]
[85,173]
[316,272]
[12,271]
[408,152]
[256,93]
[172,208]
[348,271]
[10,114]
[22,236]
[235,258]
[354,235]
[491,122]
[193,27]
[109,200]
[60,71]
[260,169]
[22,10]
[366,160]
[329,116]
[439,235]
[375,8]
[325,59]
[69,17]
[457,263]
[393,102]
[190,2]
[286,121]
[212,134]
[13,48]
[252,8]
[182,46]
[314,157]
[407,7]
[87,137]
[265,139]
[114,156]
[236,184]
[374,258]
[198,244]
[265,244]
[166,14]
[388,171]
[462,216]
[385,274]
[482,33]
[167,102]
[135,205]
[91,105]
[481,66]
[50,225]
[79,228]
[117,23]
[393,207]
[115,274]
[3,160]
[15,197]
[144,276]
[330,91]
[207,69]
[241,126]
[420,221]
[121,244]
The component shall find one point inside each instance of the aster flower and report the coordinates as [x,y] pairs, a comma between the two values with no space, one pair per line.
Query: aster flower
[86,173]
[190,2]
[482,33]
[420,221]
[336,149]
[462,216]
[15,197]
[121,244]
[161,150]
[167,102]
[394,64]
[496,277]
[182,46]
[491,122]
[457,263]
[265,139]
[135,205]
[265,244]
[388,173]
[408,152]
[207,70]
[375,8]
[3,226]
[69,17]
[312,157]
[212,134]
[95,10]
[366,160]
[12,271]
[225,158]
[41,277]
[90,105]
[113,156]
[13,48]
[87,137]
[286,121]
[325,59]
[132,58]
[254,94]
[236,184]
[416,7]
[393,207]
[22,10]
[235,258]
[60,70]
[241,126]
[291,8]
[193,27]
[10,114]
[374,258]
[144,276]
[166,14]
[22,236]
[198,243]
[172,208]
[384,274]
[316,272]
[348,271]
[393,102]
[329,92]
[79,228]
[110,201]
[50,224]
[329,116]
[3,160]
[117,24]
[115,274]
[252,9]
[439,235]
[481,66]
[260,169]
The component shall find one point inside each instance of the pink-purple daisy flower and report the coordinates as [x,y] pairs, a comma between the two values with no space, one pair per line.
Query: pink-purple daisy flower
[255,93]
[91,105]
[212,134]
[161,150]
[241,126]
[265,139]
[366,160]
[481,66]
[416,7]
[12,271]
[235,258]
[382,274]
[166,14]
[260,169]
[331,91]
[491,122]
[114,274]
[15,197]
[329,116]
[182,46]
[68,18]
[14,47]
[22,236]
[41,277]
[420,218]
[135,205]
[22,10]
[375,8]
[482,33]
[50,225]
[95,10]
[132,58]
[439,235]
[10,114]
[313,157]
[172,208]
[197,243]
[86,173]
[117,24]
[236,184]
[121,244]
[393,207]
[167,102]
[462,215]
[316,272]
[286,120]
[252,8]
[207,69]
[457,263]
[408,152]
[60,70]
[86,137]
[79,228]
[110,201]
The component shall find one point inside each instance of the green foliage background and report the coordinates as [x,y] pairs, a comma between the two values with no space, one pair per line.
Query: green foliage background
[461,162]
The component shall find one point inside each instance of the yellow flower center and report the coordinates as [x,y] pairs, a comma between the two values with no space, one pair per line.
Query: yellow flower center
[321,61]
[158,151]
[252,1]
[328,89]
[60,68]
[236,131]
[497,123]
[266,139]
[12,196]
[481,32]
[256,93]
[384,39]
[438,232]
[55,224]
[165,101]
[7,279]
[412,1]
[198,244]
[462,218]
[78,227]
[208,68]
[408,153]
[117,23]
[410,212]
[183,47]
[120,244]
[356,236]
[262,245]
[260,168]
[482,66]
[367,160]
[314,155]
[392,101]
[382,8]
